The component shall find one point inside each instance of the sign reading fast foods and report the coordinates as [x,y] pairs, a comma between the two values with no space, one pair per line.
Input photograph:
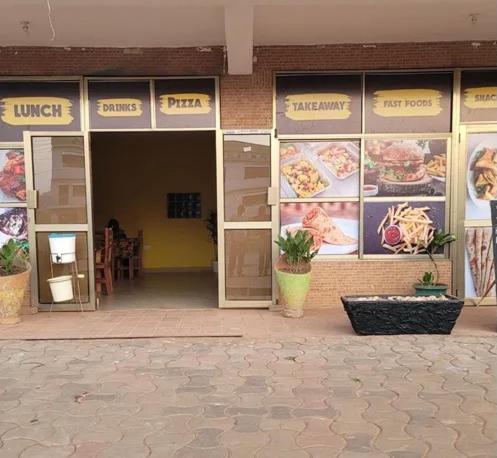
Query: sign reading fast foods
[409,102]
[119,104]
[311,104]
[479,96]
[38,105]
[185,103]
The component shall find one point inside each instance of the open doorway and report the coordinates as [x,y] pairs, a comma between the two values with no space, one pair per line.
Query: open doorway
[160,187]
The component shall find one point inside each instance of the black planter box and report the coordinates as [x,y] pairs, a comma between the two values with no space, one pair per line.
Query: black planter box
[387,317]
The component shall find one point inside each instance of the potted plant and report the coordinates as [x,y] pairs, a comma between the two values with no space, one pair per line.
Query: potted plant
[428,284]
[211,225]
[14,279]
[293,271]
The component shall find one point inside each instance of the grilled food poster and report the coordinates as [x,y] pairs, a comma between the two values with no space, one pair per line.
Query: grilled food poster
[38,105]
[479,96]
[12,176]
[313,104]
[481,174]
[408,102]
[185,103]
[119,104]
[405,167]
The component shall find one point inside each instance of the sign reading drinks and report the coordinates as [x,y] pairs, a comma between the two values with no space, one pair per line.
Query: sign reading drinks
[406,103]
[185,103]
[313,104]
[119,104]
[479,96]
[38,105]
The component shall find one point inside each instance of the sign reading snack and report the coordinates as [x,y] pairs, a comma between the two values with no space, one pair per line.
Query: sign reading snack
[311,104]
[410,102]
[479,96]
[119,104]
[38,105]
[185,103]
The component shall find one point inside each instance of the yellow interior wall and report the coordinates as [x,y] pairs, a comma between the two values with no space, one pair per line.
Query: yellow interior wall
[132,174]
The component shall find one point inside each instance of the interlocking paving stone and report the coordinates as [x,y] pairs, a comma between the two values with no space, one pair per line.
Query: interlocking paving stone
[347,397]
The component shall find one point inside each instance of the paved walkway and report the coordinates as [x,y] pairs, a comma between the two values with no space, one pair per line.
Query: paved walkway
[203,323]
[399,397]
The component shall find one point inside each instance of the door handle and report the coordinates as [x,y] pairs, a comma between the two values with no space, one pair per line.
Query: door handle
[272,196]
[32,198]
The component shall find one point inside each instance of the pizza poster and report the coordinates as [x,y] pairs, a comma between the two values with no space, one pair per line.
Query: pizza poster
[185,103]
[479,96]
[408,102]
[317,104]
[38,105]
[119,104]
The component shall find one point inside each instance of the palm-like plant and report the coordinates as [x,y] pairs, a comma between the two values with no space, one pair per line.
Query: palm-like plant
[297,250]
[13,257]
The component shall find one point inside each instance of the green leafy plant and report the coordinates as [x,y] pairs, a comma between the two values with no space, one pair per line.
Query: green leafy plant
[13,257]
[297,251]
[440,239]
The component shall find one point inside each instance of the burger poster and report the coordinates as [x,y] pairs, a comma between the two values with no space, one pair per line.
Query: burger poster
[38,105]
[334,226]
[317,104]
[319,169]
[479,96]
[409,102]
[405,167]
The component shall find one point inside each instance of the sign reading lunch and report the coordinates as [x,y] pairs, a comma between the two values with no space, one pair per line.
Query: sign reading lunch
[312,104]
[37,105]
[185,103]
[479,96]
[409,102]
[119,104]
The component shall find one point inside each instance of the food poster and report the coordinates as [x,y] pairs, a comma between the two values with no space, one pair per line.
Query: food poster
[479,271]
[408,102]
[317,104]
[401,227]
[119,104]
[185,103]
[13,224]
[479,96]
[12,176]
[481,174]
[405,167]
[319,169]
[38,105]
[334,226]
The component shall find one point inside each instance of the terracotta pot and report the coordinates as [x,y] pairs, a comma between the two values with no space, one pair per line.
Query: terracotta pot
[12,291]
[293,292]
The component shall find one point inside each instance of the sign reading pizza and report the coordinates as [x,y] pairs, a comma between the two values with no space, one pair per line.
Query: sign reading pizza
[410,102]
[479,96]
[185,103]
[119,104]
[311,104]
[38,105]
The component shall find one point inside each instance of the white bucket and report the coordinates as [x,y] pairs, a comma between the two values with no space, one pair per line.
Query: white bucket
[61,288]
[62,247]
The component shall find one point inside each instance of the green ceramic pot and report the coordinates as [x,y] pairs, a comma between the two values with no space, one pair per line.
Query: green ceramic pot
[293,291]
[430,290]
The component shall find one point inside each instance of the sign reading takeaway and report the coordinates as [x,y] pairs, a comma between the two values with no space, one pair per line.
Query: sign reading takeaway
[479,96]
[313,104]
[38,105]
[185,103]
[412,102]
[119,104]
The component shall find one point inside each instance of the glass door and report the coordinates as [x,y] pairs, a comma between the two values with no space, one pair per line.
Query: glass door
[246,212]
[59,201]
[477,185]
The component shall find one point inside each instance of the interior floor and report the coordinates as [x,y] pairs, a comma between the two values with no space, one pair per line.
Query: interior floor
[170,290]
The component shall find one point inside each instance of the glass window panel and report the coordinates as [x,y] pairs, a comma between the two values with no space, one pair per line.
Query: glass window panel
[248,264]
[58,165]
[45,272]
[247,175]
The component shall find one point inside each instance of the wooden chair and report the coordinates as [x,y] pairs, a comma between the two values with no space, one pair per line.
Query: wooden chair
[103,265]
[132,264]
